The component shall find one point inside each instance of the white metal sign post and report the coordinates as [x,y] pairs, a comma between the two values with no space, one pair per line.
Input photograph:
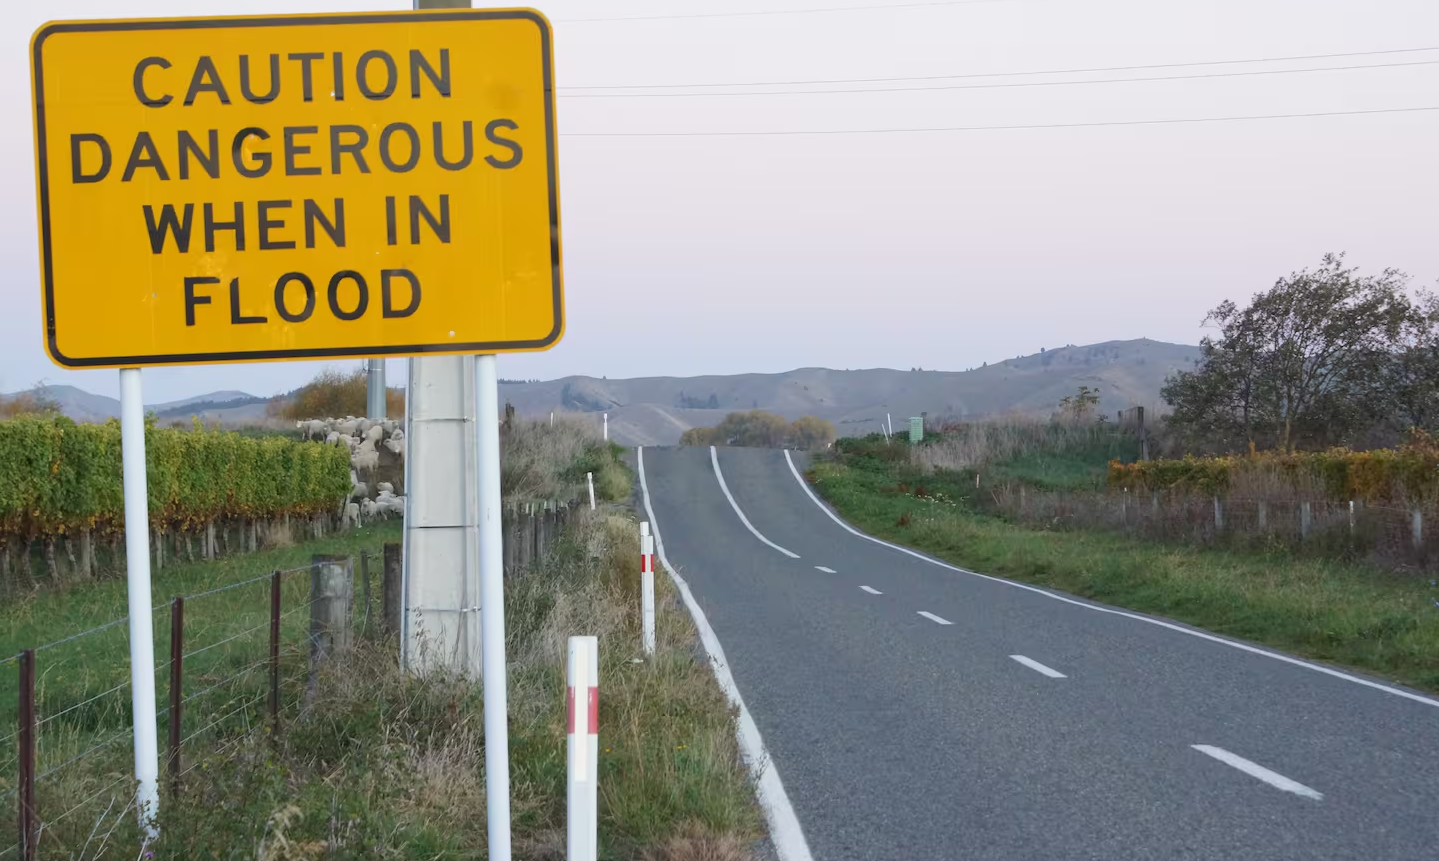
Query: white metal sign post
[492,613]
[137,576]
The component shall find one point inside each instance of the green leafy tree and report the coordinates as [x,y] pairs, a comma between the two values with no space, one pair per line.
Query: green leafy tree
[1310,358]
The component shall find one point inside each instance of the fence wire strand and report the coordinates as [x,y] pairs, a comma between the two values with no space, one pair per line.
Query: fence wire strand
[95,630]
[81,704]
[225,681]
[74,759]
[217,590]
[250,703]
[89,798]
[231,638]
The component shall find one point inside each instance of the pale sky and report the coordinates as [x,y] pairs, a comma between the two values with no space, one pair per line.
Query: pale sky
[726,254]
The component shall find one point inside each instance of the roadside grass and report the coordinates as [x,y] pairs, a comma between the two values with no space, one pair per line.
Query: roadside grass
[374,763]
[1340,612]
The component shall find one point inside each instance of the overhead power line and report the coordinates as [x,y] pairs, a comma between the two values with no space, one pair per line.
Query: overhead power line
[995,86]
[763,12]
[1007,74]
[923,130]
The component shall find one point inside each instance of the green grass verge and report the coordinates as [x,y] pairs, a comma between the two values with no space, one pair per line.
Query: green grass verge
[374,763]
[1343,613]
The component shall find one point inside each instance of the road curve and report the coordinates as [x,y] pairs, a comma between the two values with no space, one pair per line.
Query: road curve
[914,711]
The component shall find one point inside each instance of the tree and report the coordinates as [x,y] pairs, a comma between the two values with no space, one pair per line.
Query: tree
[809,432]
[1412,393]
[1310,357]
[333,393]
[1079,406]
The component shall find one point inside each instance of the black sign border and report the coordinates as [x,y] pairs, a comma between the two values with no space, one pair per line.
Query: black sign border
[43,181]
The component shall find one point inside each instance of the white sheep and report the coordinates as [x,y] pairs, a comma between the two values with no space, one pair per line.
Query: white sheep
[397,433]
[374,434]
[368,461]
[390,425]
[311,428]
[397,446]
[347,427]
[385,487]
[362,426]
[391,505]
[368,510]
[352,514]
[332,438]
[360,490]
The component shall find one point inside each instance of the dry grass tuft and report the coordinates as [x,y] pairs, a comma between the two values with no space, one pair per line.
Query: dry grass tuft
[695,843]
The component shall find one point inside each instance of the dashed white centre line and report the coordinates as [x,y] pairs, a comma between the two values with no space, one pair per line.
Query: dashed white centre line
[1038,667]
[871,591]
[1254,769]
[824,569]
[934,618]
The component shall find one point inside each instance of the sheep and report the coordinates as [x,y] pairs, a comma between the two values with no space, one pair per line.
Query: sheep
[332,438]
[346,428]
[368,510]
[397,434]
[360,490]
[374,434]
[362,426]
[368,461]
[396,446]
[385,487]
[391,505]
[390,426]
[311,428]
[352,515]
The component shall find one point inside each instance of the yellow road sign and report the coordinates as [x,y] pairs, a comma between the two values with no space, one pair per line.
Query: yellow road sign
[310,186]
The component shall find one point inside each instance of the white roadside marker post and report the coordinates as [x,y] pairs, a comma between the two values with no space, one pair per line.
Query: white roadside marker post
[582,704]
[590,480]
[492,610]
[647,588]
[607,427]
[137,577]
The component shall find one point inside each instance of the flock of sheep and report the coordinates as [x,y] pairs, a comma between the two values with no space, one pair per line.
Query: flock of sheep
[362,437]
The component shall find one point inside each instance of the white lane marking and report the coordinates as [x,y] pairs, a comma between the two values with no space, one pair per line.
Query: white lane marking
[1243,647]
[824,569]
[871,591]
[1254,769]
[1038,667]
[934,618]
[784,829]
[714,459]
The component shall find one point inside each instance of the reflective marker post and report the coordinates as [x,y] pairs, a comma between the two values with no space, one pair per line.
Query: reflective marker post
[137,576]
[582,708]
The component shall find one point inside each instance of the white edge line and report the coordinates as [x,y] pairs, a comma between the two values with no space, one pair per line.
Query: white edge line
[784,828]
[714,459]
[871,590]
[1244,647]
[1038,667]
[934,618]
[824,569]
[1255,770]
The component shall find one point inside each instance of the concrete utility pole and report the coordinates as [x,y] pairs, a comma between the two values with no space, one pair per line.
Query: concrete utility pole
[452,429]
[375,389]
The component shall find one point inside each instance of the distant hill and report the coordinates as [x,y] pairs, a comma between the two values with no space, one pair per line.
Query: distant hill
[656,410]
[229,406]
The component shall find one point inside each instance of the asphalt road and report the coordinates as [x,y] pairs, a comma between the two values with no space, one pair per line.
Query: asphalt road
[900,737]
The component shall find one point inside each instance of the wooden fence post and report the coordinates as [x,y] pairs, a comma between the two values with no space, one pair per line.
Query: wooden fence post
[1416,529]
[29,832]
[332,596]
[1263,514]
[1306,518]
[390,584]
[365,590]
[1218,515]
[275,652]
[177,681]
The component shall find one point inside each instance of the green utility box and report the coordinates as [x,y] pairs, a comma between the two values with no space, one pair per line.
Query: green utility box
[916,428]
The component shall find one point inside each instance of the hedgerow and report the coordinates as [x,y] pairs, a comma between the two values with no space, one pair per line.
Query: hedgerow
[58,477]
[1408,474]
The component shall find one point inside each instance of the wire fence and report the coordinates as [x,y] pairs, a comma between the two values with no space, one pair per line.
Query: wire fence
[239,659]
[1396,537]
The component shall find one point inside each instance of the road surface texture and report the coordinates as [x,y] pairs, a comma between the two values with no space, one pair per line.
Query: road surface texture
[913,711]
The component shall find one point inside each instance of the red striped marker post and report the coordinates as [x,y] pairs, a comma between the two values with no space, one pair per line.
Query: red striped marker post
[583,749]
[647,587]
